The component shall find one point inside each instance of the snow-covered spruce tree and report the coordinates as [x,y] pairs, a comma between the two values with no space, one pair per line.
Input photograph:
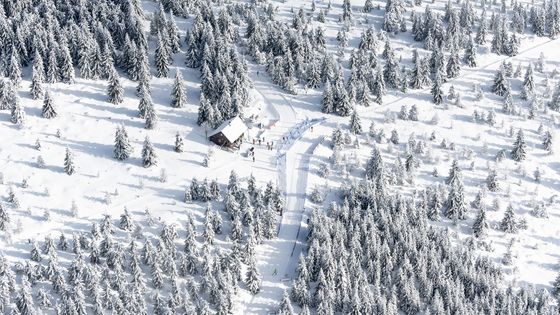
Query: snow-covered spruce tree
[346,11]
[85,56]
[455,207]
[285,307]
[434,207]
[394,139]
[178,147]
[173,34]
[62,243]
[437,92]
[507,105]
[413,113]
[391,72]
[393,15]
[143,86]
[378,87]
[115,91]
[8,95]
[4,218]
[96,62]
[206,116]
[528,83]
[336,138]
[149,156]
[556,286]
[161,57]
[145,100]
[509,223]
[453,64]
[403,113]
[342,105]
[66,67]
[151,116]
[14,68]
[37,77]
[52,72]
[470,53]
[355,123]
[178,94]
[49,110]
[375,168]
[519,151]
[122,149]
[18,114]
[368,6]
[252,277]
[13,198]
[69,166]
[419,76]
[492,181]
[500,86]
[547,141]
[24,300]
[126,222]
[328,99]
[554,103]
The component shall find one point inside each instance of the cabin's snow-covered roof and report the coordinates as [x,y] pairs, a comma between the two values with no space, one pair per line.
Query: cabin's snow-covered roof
[232,129]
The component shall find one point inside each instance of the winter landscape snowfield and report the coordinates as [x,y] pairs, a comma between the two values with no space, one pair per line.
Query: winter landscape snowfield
[400,157]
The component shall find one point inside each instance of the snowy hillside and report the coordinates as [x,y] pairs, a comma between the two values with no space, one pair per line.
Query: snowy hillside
[399,157]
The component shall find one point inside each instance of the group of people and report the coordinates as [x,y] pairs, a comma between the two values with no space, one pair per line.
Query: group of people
[259,141]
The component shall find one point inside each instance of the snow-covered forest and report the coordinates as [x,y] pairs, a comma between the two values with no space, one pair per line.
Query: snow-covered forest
[279,157]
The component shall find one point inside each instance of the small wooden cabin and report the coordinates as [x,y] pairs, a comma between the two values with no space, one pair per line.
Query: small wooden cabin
[230,133]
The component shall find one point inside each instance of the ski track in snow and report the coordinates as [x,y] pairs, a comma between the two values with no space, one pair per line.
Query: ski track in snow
[277,258]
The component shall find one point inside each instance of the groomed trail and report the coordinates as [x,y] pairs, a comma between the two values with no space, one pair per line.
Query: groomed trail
[277,258]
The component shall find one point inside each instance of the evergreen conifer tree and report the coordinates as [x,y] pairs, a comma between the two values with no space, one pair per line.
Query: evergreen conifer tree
[355,123]
[437,92]
[14,68]
[151,115]
[470,53]
[378,89]
[4,218]
[554,103]
[480,224]
[149,156]
[328,99]
[500,86]
[122,149]
[252,278]
[18,114]
[49,110]
[115,89]
[52,67]
[178,143]
[161,57]
[528,83]
[66,67]
[453,64]
[492,181]
[37,77]
[285,305]
[509,223]
[547,141]
[519,151]
[178,95]
[69,167]
[455,205]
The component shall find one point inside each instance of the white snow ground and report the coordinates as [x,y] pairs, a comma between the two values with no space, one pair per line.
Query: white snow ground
[87,124]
